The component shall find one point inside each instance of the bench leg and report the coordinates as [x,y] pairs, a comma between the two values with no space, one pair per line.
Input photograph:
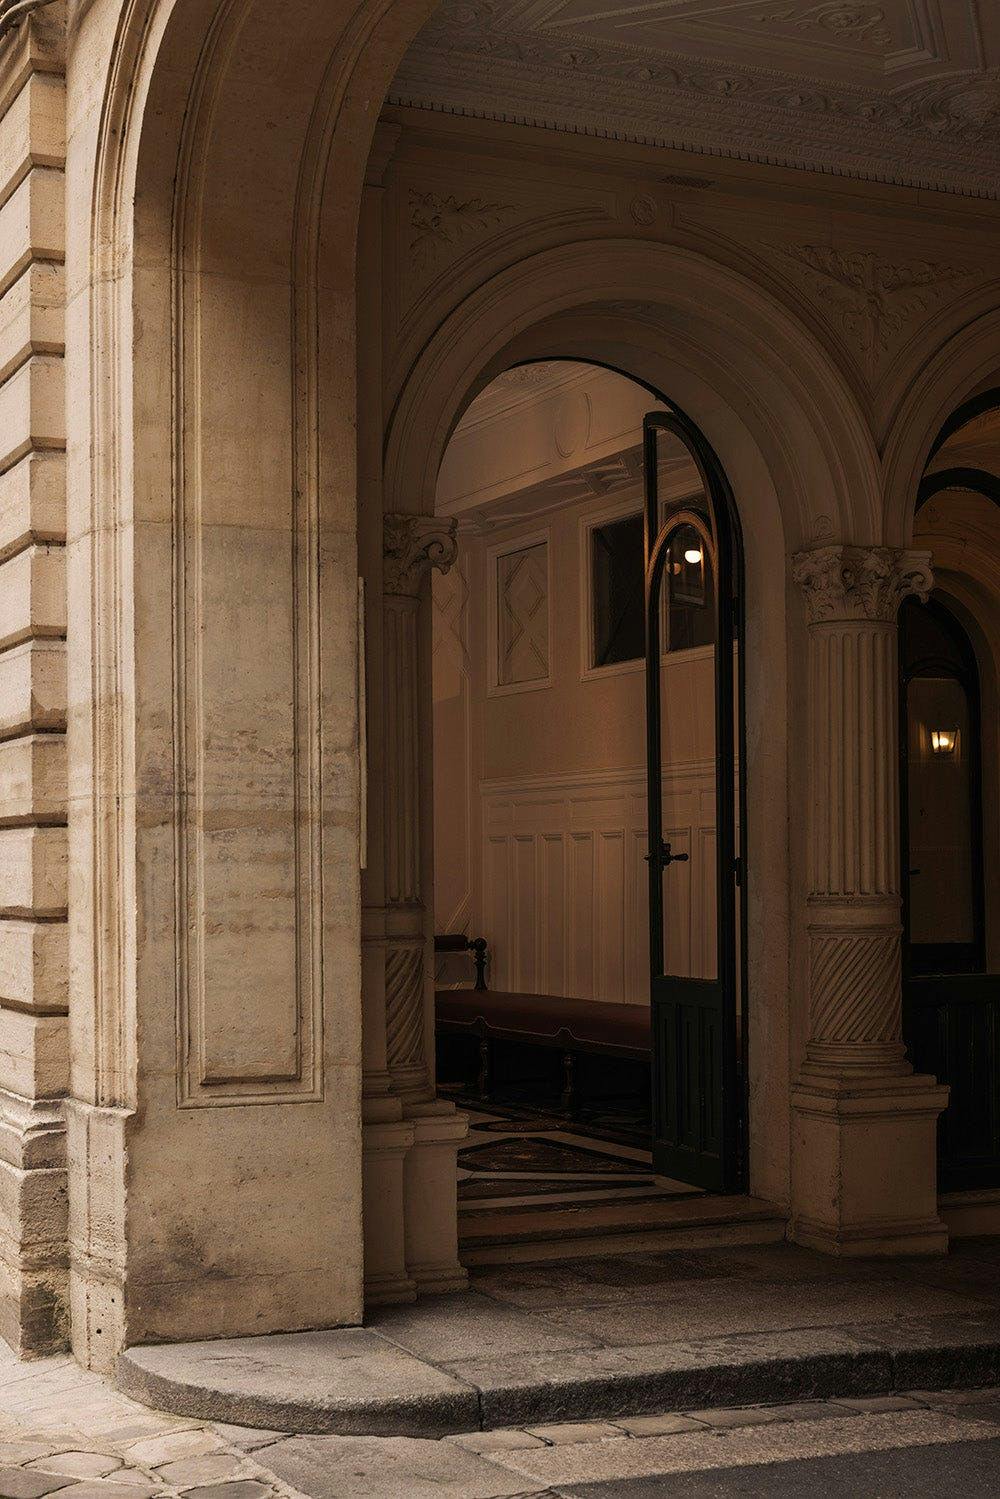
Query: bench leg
[567,1101]
[483,1081]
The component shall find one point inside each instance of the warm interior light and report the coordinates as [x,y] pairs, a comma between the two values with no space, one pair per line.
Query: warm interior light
[693,554]
[944,741]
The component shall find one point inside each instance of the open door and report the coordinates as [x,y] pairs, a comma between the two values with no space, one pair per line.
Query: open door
[693,602]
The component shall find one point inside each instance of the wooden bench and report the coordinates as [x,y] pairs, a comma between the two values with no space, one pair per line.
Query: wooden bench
[572,1027]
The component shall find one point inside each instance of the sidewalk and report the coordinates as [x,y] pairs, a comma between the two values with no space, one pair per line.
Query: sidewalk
[605,1338]
[68,1433]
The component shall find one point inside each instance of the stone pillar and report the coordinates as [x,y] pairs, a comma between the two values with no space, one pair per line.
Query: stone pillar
[415,1128]
[863,1124]
[34,1041]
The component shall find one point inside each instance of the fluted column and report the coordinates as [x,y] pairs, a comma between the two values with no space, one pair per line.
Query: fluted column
[413,545]
[864,1126]
[411,1136]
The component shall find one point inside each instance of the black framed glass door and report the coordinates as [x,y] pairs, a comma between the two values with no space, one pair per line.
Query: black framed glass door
[697,885]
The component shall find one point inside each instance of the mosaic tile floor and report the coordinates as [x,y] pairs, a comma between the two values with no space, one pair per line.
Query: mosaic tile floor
[539,1162]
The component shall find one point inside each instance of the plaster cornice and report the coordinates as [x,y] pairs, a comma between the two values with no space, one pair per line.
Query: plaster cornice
[937,129]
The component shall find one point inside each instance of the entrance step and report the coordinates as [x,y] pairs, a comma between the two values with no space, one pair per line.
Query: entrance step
[604,1338]
[623,1225]
[356,1382]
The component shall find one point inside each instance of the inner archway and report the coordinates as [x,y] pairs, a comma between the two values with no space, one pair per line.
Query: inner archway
[551,747]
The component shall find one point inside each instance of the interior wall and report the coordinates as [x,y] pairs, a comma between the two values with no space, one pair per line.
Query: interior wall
[540,790]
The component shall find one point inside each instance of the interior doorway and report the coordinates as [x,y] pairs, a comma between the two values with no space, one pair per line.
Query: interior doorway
[948,798]
[587,806]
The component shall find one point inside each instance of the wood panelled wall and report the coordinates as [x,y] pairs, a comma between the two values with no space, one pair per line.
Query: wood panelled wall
[564,895]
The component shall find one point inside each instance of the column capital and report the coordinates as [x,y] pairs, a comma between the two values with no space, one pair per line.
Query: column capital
[844,582]
[411,546]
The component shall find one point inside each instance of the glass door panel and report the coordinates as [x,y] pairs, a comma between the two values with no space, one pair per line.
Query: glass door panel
[693,796]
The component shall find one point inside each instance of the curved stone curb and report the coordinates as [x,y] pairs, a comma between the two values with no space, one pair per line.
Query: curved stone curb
[350,1382]
[354,1382]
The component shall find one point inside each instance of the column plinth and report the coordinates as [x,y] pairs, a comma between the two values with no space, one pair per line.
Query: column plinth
[864,1125]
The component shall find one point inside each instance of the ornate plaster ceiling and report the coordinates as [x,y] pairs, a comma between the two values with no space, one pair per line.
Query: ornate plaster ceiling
[903,91]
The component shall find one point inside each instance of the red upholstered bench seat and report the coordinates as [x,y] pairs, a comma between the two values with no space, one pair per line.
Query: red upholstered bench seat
[548,1020]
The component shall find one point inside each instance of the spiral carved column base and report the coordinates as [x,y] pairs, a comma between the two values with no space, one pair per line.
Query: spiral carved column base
[864,1126]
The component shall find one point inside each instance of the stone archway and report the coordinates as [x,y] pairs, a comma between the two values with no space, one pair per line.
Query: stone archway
[582,301]
[216,987]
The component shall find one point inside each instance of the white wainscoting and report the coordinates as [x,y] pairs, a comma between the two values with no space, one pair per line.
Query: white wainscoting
[565,896]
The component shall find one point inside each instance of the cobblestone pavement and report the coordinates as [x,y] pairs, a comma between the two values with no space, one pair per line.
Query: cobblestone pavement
[67,1432]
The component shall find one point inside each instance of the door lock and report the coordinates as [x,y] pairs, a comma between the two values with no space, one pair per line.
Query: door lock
[663,856]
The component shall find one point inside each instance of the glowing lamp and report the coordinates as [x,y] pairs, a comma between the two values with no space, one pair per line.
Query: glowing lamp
[692,555]
[944,741]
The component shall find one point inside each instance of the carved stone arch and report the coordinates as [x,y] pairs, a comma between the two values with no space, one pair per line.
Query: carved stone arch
[965,364]
[795,448]
[728,353]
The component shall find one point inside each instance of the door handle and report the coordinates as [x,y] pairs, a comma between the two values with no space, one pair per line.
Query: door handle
[663,856]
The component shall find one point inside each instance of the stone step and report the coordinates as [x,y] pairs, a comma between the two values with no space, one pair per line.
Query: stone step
[494,1235]
[355,1382]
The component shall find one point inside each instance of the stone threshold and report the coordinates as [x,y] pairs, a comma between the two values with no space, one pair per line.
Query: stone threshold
[354,1381]
[539,1233]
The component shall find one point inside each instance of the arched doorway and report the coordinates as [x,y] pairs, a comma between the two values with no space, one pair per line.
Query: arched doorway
[586,733]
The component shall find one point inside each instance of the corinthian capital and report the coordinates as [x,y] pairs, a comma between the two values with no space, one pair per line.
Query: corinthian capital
[412,545]
[851,582]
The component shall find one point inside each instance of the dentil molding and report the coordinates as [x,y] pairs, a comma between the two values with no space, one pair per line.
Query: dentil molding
[412,545]
[860,583]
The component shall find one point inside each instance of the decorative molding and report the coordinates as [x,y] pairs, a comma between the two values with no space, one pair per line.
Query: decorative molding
[860,583]
[14,12]
[876,301]
[785,85]
[412,545]
[404,1007]
[863,23]
[439,221]
[855,981]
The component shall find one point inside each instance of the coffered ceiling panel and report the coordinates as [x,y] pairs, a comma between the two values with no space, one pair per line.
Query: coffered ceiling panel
[903,91]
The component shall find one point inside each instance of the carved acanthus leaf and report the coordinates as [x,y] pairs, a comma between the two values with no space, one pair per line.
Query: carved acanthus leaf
[851,582]
[440,220]
[875,300]
[412,545]
[852,23]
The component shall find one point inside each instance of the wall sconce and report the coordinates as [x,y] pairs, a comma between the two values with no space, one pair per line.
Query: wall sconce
[944,741]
